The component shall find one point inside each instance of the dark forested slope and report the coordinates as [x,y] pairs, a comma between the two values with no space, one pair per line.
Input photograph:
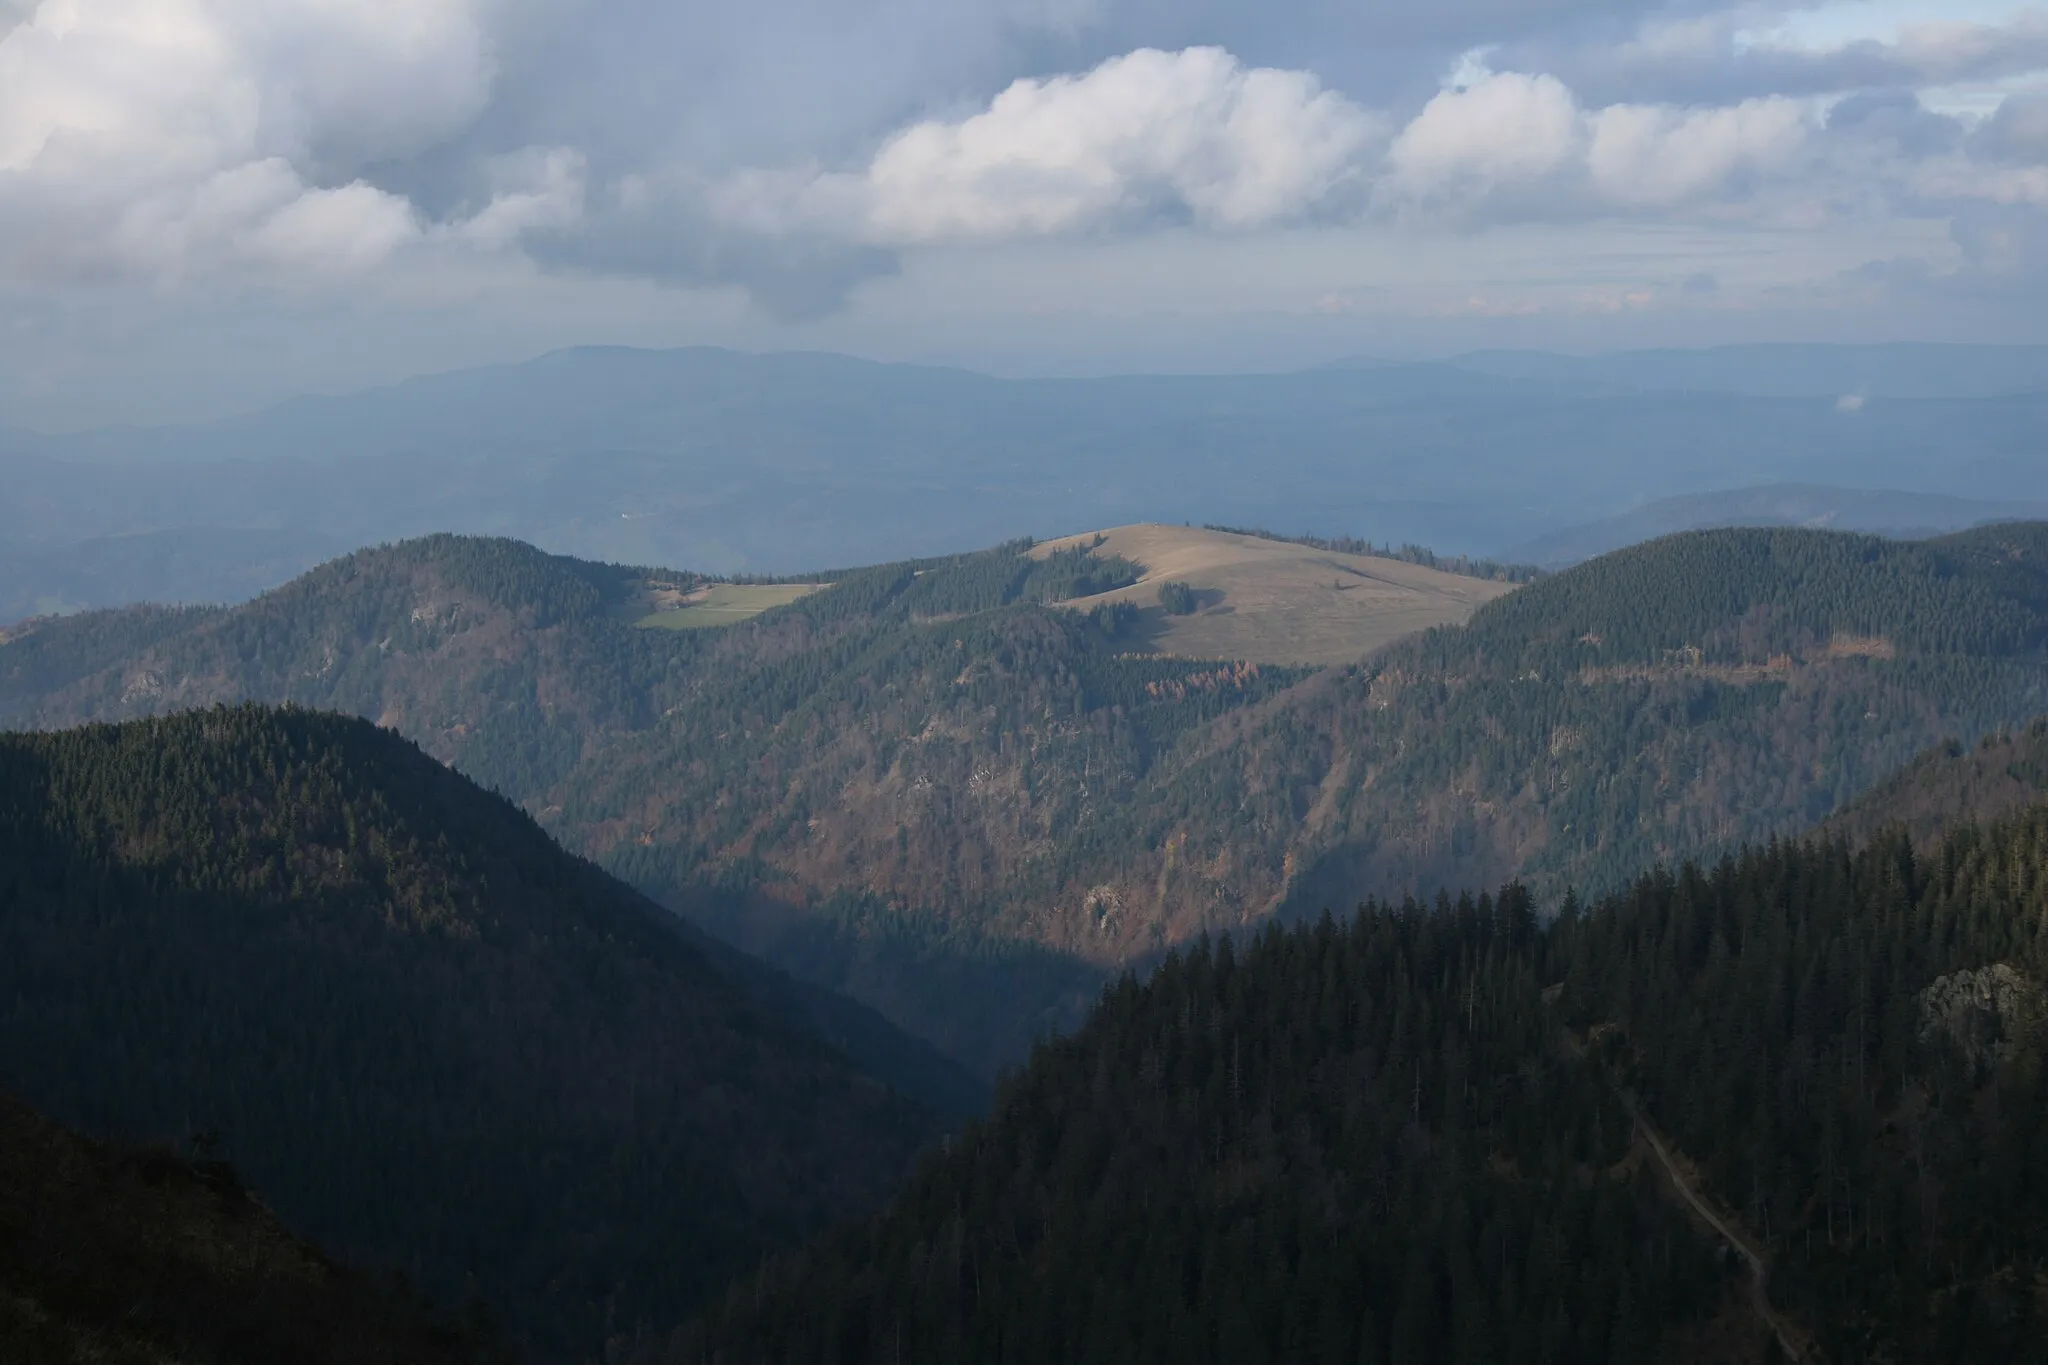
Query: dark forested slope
[920,737]
[922,788]
[1425,1135]
[135,1256]
[424,1034]
[1954,783]
[1668,700]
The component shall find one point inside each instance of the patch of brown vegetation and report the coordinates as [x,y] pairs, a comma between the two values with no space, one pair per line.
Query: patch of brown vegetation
[1275,602]
[1689,661]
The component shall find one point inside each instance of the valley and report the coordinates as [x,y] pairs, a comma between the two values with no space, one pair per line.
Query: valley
[986,808]
[964,789]
[1026,682]
[1486,1130]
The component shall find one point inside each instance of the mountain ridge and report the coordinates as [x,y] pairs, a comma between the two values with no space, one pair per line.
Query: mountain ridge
[962,807]
[418,1025]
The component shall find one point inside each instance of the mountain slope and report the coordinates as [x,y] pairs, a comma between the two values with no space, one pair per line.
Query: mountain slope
[1443,1135]
[428,1037]
[1665,701]
[826,746]
[923,787]
[133,1256]
[1953,784]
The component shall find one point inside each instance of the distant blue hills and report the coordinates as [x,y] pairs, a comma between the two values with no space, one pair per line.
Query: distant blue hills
[726,461]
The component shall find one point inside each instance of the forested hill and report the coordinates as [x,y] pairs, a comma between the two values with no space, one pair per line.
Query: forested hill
[424,1035]
[1954,783]
[1676,698]
[923,788]
[920,735]
[1457,1132]
[136,1255]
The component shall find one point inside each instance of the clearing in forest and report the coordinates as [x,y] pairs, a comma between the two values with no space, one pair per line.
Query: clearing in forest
[1272,601]
[721,604]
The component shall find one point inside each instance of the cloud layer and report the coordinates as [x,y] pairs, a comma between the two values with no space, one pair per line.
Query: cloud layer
[796,148]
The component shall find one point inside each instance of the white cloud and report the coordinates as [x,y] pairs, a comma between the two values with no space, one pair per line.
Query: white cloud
[178,136]
[1191,134]
[1504,129]
[151,140]
[1521,145]
[1646,155]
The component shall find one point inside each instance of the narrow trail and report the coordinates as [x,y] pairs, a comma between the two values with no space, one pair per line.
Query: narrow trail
[1759,1273]
[1789,1339]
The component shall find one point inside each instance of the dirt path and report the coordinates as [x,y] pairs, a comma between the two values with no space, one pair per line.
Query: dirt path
[1790,1340]
[1759,1293]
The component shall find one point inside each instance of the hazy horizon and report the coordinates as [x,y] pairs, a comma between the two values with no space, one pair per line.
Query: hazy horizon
[306,198]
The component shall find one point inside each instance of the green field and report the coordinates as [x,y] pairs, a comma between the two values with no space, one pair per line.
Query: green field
[722,604]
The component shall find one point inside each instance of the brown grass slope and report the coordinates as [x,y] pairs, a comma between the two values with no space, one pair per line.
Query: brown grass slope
[1274,602]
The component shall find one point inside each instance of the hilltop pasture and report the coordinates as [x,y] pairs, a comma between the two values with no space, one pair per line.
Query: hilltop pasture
[1277,602]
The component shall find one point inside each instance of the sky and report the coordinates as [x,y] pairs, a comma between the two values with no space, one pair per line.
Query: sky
[209,204]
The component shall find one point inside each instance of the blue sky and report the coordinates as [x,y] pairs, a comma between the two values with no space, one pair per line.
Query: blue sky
[206,204]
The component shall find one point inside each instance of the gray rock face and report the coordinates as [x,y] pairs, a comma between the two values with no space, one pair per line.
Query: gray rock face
[1986,1013]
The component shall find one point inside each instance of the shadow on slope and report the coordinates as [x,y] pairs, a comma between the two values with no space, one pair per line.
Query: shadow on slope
[135,1256]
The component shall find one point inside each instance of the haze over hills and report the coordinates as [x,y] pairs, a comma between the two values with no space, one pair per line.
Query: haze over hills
[428,1037]
[927,788]
[1789,369]
[1876,511]
[789,463]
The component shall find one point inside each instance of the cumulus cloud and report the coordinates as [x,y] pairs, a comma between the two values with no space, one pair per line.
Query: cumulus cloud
[1191,134]
[173,136]
[1503,129]
[1513,143]
[1650,155]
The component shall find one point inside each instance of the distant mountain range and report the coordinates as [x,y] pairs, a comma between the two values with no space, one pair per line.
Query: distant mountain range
[1789,370]
[798,462]
[1878,511]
